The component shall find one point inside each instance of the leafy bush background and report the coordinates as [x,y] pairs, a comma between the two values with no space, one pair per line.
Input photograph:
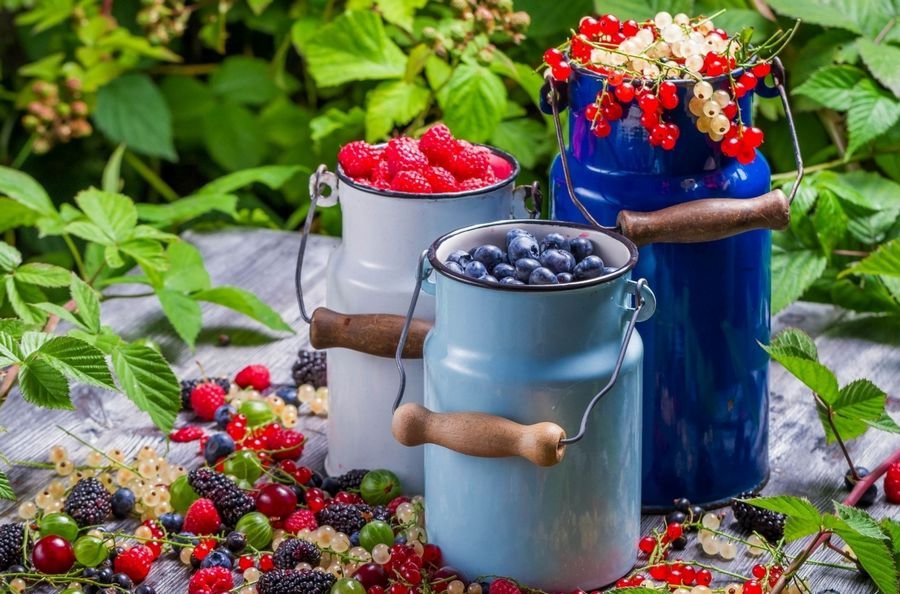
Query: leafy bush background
[282,82]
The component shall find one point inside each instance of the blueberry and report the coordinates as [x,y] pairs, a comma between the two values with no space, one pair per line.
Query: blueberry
[513,233]
[453,267]
[489,255]
[524,266]
[475,270]
[235,542]
[565,277]
[868,498]
[581,248]
[679,543]
[558,260]
[218,446]
[122,503]
[490,278]
[186,539]
[554,241]
[850,482]
[400,539]
[460,257]
[216,558]
[510,280]
[286,393]
[331,486]
[316,480]
[590,267]
[523,246]
[542,276]
[145,589]
[121,579]
[502,270]
[105,575]
[682,504]
[223,415]
[171,521]
[609,269]
[354,538]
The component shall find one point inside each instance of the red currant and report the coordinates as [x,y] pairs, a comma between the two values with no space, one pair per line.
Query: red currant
[752,587]
[746,155]
[674,530]
[704,577]
[591,112]
[690,575]
[612,112]
[730,110]
[561,71]
[276,501]
[398,588]
[625,92]
[667,88]
[647,544]
[609,24]
[753,136]
[739,89]
[553,57]
[638,579]
[762,69]
[201,551]
[375,590]
[431,554]
[630,28]
[246,562]
[580,49]
[649,120]
[659,572]
[758,571]
[731,146]
[53,554]
[669,101]
[589,26]
[266,563]
[748,79]
[675,577]
[616,78]
[648,102]
[601,128]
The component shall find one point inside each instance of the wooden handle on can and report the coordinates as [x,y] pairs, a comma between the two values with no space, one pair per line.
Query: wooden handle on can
[373,334]
[706,220]
[479,434]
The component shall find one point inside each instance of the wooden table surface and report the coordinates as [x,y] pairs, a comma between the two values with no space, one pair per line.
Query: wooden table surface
[263,261]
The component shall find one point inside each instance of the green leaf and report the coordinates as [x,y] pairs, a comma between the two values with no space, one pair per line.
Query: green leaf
[148,381]
[147,253]
[556,18]
[26,191]
[21,298]
[31,341]
[862,188]
[233,137]
[113,257]
[885,260]
[525,138]
[13,215]
[884,423]
[10,257]
[61,312]
[874,556]
[258,6]
[473,101]
[873,112]
[802,518]
[186,272]
[114,214]
[47,14]
[87,302]
[9,348]
[77,359]
[392,103]
[47,68]
[892,529]
[859,521]
[830,221]
[882,60]
[816,376]
[87,231]
[795,343]
[273,176]
[243,80]
[400,12]
[131,110]
[246,303]
[336,122]
[353,47]
[856,403]
[112,173]
[183,314]
[832,86]
[188,208]
[44,385]
[793,272]
[6,490]
[437,71]
[859,16]
[189,100]
[43,275]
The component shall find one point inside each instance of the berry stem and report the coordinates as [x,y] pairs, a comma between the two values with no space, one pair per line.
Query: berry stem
[101,452]
[829,414]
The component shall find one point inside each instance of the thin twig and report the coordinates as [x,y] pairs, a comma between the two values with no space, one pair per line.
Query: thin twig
[887,29]
[834,163]
[107,297]
[151,177]
[829,415]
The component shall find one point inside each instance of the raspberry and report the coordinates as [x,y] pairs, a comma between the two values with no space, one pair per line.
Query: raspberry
[473,183]
[187,386]
[134,562]
[412,182]
[403,154]
[211,580]
[186,434]
[11,540]
[440,179]
[503,586]
[253,376]
[290,581]
[205,399]
[358,159]
[310,368]
[302,519]
[287,444]
[382,175]
[228,498]
[395,503]
[471,161]
[892,483]
[439,145]
[202,518]
[89,503]
[292,551]
[500,167]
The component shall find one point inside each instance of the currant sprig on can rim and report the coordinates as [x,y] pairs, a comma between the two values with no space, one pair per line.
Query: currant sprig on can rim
[638,59]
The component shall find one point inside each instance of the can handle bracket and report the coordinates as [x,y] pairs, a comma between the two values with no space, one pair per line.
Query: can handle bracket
[528,192]
[323,191]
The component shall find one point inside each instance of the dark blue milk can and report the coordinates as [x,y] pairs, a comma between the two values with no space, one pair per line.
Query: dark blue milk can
[705,415]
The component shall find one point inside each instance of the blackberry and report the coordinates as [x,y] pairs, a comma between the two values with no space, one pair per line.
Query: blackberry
[351,480]
[89,503]
[231,502]
[309,368]
[755,519]
[188,385]
[12,538]
[292,551]
[345,517]
[292,581]
[381,512]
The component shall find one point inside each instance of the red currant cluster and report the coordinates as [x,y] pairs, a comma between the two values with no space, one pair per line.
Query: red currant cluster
[672,574]
[892,483]
[741,142]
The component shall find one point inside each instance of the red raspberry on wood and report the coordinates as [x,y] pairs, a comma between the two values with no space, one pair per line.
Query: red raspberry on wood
[211,580]
[253,376]
[206,398]
[134,562]
[202,518]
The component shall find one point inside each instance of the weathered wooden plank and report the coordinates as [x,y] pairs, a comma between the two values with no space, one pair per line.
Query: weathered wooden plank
[263,261]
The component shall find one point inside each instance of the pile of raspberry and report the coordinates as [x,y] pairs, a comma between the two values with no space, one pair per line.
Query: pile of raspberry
[437,163]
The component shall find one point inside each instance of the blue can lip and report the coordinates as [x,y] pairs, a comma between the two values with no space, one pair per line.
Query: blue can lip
[619,272]
[346,179]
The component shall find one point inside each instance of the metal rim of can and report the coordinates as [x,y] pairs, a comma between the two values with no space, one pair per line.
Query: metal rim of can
[439,266]
[511,178]
[681,82]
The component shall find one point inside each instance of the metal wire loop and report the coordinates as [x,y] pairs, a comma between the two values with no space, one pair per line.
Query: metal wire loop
[404,335]
[315,191]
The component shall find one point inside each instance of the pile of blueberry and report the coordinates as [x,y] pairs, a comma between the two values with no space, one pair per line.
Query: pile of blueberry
[526,261]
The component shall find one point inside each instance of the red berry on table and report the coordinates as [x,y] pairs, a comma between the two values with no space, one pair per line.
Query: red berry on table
[206,398]
[470,161]
[253,376]
[53,554]
[689,575]
[674,531]
[358,158]
[134,562]
[647,544]
[186,434]
[704,577]
[246,562]
[439,145]
[758,571]
[561,72]
[276,501]
[503,586]
[752,587]
[412,182]
[675,577]
[286,444]
[211,580]
[892,483]
[552,57]
[404,154]
[762,69]
[625,92]
[202,518]
[432,554]
[266,562]
[302,519]
[659,572]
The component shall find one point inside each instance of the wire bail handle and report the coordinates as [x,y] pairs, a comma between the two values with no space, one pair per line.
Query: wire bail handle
[532,191]
[319,182]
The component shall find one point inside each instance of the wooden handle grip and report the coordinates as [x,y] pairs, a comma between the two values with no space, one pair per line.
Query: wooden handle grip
[373,334]
[479,434]
[706,220]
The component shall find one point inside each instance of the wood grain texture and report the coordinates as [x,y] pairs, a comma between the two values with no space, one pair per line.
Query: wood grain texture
[264,261]
[374,334]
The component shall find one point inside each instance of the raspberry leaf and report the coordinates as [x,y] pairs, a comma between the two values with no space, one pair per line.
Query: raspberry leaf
[858,520]
[43,275]
[6,490]
[132,110]
[44,385]
[873,553]
[183,313]
[884,423]
[816,376]
[474,102]
[87,302]
[26,191]
[796,343]
[885,260]
[149,382]
[246,303]
[392,103]
[882,60]
[77,359]
[857,402]
[10,257]
[802,518]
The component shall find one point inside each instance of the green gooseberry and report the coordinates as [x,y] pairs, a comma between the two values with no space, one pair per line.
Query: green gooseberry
[258,412]
[90,551]
[182,494]
[348,586]
[376,532]
[59,524]
[256,527]
[379,487]
[244,465]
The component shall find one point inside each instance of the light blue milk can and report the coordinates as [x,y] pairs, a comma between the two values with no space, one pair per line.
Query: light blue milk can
[506,369]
